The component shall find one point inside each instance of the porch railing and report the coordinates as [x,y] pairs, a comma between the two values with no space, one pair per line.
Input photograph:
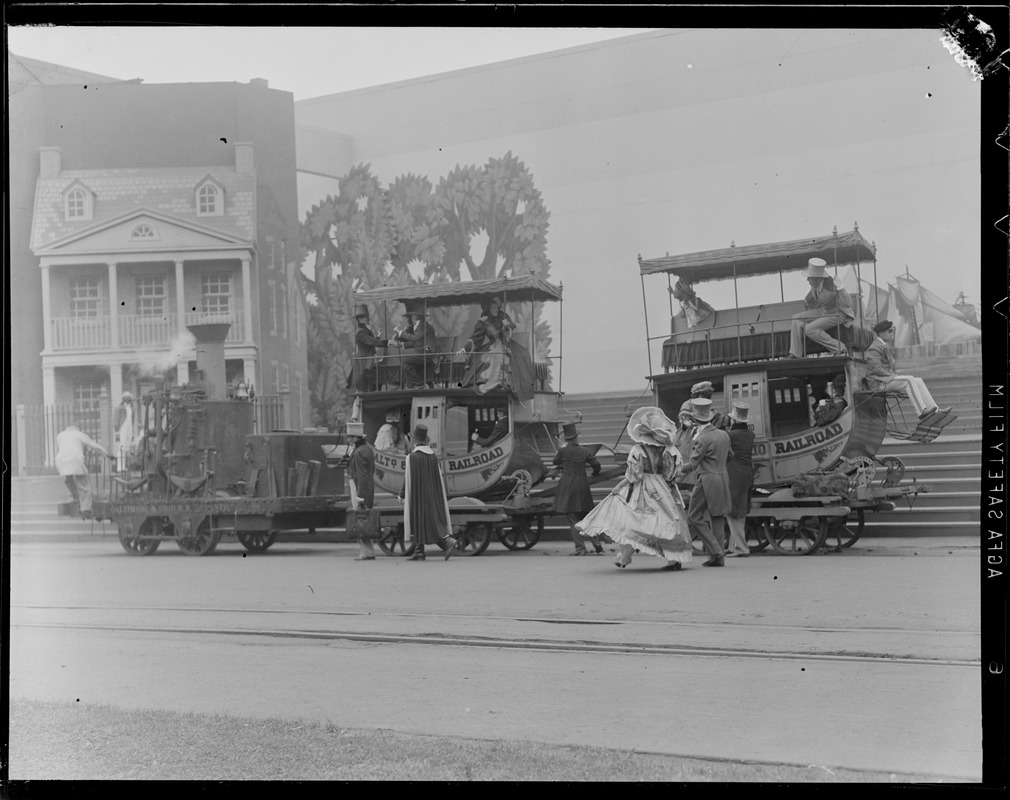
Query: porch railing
[94,333]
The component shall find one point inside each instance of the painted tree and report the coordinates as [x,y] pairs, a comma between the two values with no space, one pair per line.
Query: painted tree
[351,238]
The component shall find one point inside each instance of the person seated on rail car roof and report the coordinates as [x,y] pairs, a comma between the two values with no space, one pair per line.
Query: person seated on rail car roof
[418,368]
[828,307]
[362,375]
[880,363]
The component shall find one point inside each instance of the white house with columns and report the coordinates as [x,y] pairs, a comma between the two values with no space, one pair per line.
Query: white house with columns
[129,258]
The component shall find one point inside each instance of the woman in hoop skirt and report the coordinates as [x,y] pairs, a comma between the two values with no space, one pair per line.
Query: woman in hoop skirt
[645,512]
[493,329]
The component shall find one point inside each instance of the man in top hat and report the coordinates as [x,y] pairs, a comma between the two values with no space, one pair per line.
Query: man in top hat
[574,497]
[426,517]
[710,498]
[390,436]
[880,366]
[361,482]
[125,423]
[705,389]
[740,469]
[362,376]
[828,306]
[419,337]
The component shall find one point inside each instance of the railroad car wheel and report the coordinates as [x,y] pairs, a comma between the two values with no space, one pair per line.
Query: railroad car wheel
[257,541]
[139,546]
[202,542]
[846,535]
[802,538]
[756,539]
[521,535]
[391,542]
[473,539]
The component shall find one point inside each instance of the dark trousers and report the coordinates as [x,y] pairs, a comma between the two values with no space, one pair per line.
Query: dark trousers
[418,370]
[573,517]
[701,523]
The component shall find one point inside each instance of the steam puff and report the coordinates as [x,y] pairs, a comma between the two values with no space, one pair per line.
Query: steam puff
[180,349]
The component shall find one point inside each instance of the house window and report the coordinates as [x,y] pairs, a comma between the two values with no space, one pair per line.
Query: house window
[143,232]
[151,296]
[87,404]
[77,204]
[85,297]
[282,311]
[272,306]
[216,292]
[208,201]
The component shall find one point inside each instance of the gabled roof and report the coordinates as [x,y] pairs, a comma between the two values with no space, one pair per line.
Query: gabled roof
[463,293]
[762,259]
[202,236]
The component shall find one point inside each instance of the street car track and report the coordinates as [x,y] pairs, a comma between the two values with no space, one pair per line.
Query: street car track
[505,642]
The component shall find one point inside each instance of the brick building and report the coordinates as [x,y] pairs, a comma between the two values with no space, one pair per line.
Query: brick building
[137,210]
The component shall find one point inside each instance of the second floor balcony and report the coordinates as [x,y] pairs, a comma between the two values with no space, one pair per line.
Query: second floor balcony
[88,334]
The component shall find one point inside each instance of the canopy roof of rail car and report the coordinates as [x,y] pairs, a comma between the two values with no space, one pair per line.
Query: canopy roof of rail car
[460,293]
[762,259]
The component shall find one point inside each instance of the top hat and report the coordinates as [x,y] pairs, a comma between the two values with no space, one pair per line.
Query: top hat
[815,268]
[420,434]
[701,409]
[360,310]
[704,386]
[355,429]
[649,425]
[739,412]
[414,308]
[392,416]
[570,431]
[883,325]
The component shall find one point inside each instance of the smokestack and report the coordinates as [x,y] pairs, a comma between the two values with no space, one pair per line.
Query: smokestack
[210,357]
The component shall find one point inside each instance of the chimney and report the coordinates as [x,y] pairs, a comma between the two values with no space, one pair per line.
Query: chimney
[210,357]
[50,162]
[243,157]
[259,82]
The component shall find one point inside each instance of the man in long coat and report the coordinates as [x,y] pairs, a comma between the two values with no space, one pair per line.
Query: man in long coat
[710,498]
[425,503]
[418,368]
[361,481]
[739,467]
[362,376]
[574,497]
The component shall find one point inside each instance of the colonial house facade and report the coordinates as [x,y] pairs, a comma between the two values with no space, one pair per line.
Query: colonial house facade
[128,259]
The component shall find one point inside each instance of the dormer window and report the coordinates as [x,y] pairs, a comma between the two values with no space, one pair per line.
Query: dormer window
[209,199]
[143,232]
[78,203]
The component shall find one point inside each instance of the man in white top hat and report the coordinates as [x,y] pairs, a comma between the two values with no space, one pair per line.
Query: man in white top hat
[828,307]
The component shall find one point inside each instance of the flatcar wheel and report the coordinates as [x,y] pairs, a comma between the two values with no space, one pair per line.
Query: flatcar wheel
[801,539]
[521,535]
[756,539]
[846,535]
[202,542]
[391,542]
[473,539]
[257,541]
[139,545]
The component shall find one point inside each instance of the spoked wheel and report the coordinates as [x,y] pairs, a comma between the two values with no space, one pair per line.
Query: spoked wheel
[257,541]
[143,543]
[391,542]
[202,542]
[845,535]
[521,535]
[473,539]
[754,532]
[801,538]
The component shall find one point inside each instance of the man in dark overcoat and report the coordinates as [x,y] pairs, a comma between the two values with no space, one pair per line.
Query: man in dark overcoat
[426,517]
[362,376]
[418,367]
[361,482]
[710,499]
[574,497]
[740,468]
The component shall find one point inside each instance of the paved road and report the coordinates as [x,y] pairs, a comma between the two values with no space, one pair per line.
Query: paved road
[866,659]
